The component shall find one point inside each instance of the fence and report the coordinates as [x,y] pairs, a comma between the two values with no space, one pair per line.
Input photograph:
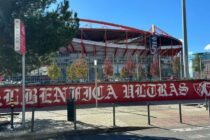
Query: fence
[110,68]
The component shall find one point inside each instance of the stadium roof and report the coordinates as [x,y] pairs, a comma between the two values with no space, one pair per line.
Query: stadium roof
[121,40]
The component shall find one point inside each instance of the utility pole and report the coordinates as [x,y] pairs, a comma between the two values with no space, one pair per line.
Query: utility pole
[96,87]
[184,27]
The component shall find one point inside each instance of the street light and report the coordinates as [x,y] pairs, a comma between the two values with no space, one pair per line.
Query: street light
[184,27]
[96,91]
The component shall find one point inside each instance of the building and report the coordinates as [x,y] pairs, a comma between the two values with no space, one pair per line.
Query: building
[203,65]
[120,44]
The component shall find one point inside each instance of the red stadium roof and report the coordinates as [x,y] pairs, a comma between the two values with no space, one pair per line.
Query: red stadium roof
[120,40]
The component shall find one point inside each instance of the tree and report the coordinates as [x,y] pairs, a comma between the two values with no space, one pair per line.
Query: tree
[78,69]
[107,67]
[123,73]
[53,72]
[130,67]
[7,59]
[47,29]
[71,72]
[81,68]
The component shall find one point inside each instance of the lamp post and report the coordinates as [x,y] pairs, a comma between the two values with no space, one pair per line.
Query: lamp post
[184,26]
[96,89]
[20,47]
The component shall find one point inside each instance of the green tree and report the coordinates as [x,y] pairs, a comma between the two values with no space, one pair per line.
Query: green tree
[123,73]
[7,59]
[78,69]
[47,29]
[53,72]
[81,68]
[71,72]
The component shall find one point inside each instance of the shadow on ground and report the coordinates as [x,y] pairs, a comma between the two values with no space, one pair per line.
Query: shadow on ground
[112,136]
[47,128]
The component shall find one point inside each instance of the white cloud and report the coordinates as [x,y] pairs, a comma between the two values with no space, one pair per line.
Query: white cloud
[207,48]
[181,40]
[190,53]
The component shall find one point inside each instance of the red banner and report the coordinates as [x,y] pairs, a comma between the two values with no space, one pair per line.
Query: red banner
[106,93]
[20,36]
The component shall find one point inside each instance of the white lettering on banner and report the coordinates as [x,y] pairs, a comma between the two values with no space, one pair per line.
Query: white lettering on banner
[31,96]
[111,92]
[45,93]
[10,94]
[162,90]
[139,90]
[154,90]
[87,94]
[94,92]
[60,94]
[128,91]
[151,90]
[77,93]
[131,90]
[173,90]
[183,89]
[99,94]
[125,91]
[71,89]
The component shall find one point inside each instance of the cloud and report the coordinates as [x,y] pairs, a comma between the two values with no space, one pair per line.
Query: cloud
[207,48]
[182,40]
[190,53]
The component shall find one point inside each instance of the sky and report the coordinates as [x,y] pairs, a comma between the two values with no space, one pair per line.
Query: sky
[141,14]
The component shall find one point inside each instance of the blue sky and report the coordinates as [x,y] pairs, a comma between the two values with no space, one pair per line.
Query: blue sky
[166,14]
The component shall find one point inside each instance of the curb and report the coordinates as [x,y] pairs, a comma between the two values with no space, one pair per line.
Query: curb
[40,136]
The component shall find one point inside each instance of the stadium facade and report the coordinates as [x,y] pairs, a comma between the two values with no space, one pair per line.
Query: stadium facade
[120,44]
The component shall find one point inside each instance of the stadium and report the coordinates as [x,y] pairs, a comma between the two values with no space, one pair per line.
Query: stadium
[121,44]
[149,55]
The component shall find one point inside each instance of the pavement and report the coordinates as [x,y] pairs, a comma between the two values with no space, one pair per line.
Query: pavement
[52,121]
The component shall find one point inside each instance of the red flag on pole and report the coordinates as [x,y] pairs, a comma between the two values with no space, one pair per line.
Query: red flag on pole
[20,37]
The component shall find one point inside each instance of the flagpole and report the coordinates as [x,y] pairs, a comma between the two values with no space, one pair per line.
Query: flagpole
[23,90]
[20,47]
